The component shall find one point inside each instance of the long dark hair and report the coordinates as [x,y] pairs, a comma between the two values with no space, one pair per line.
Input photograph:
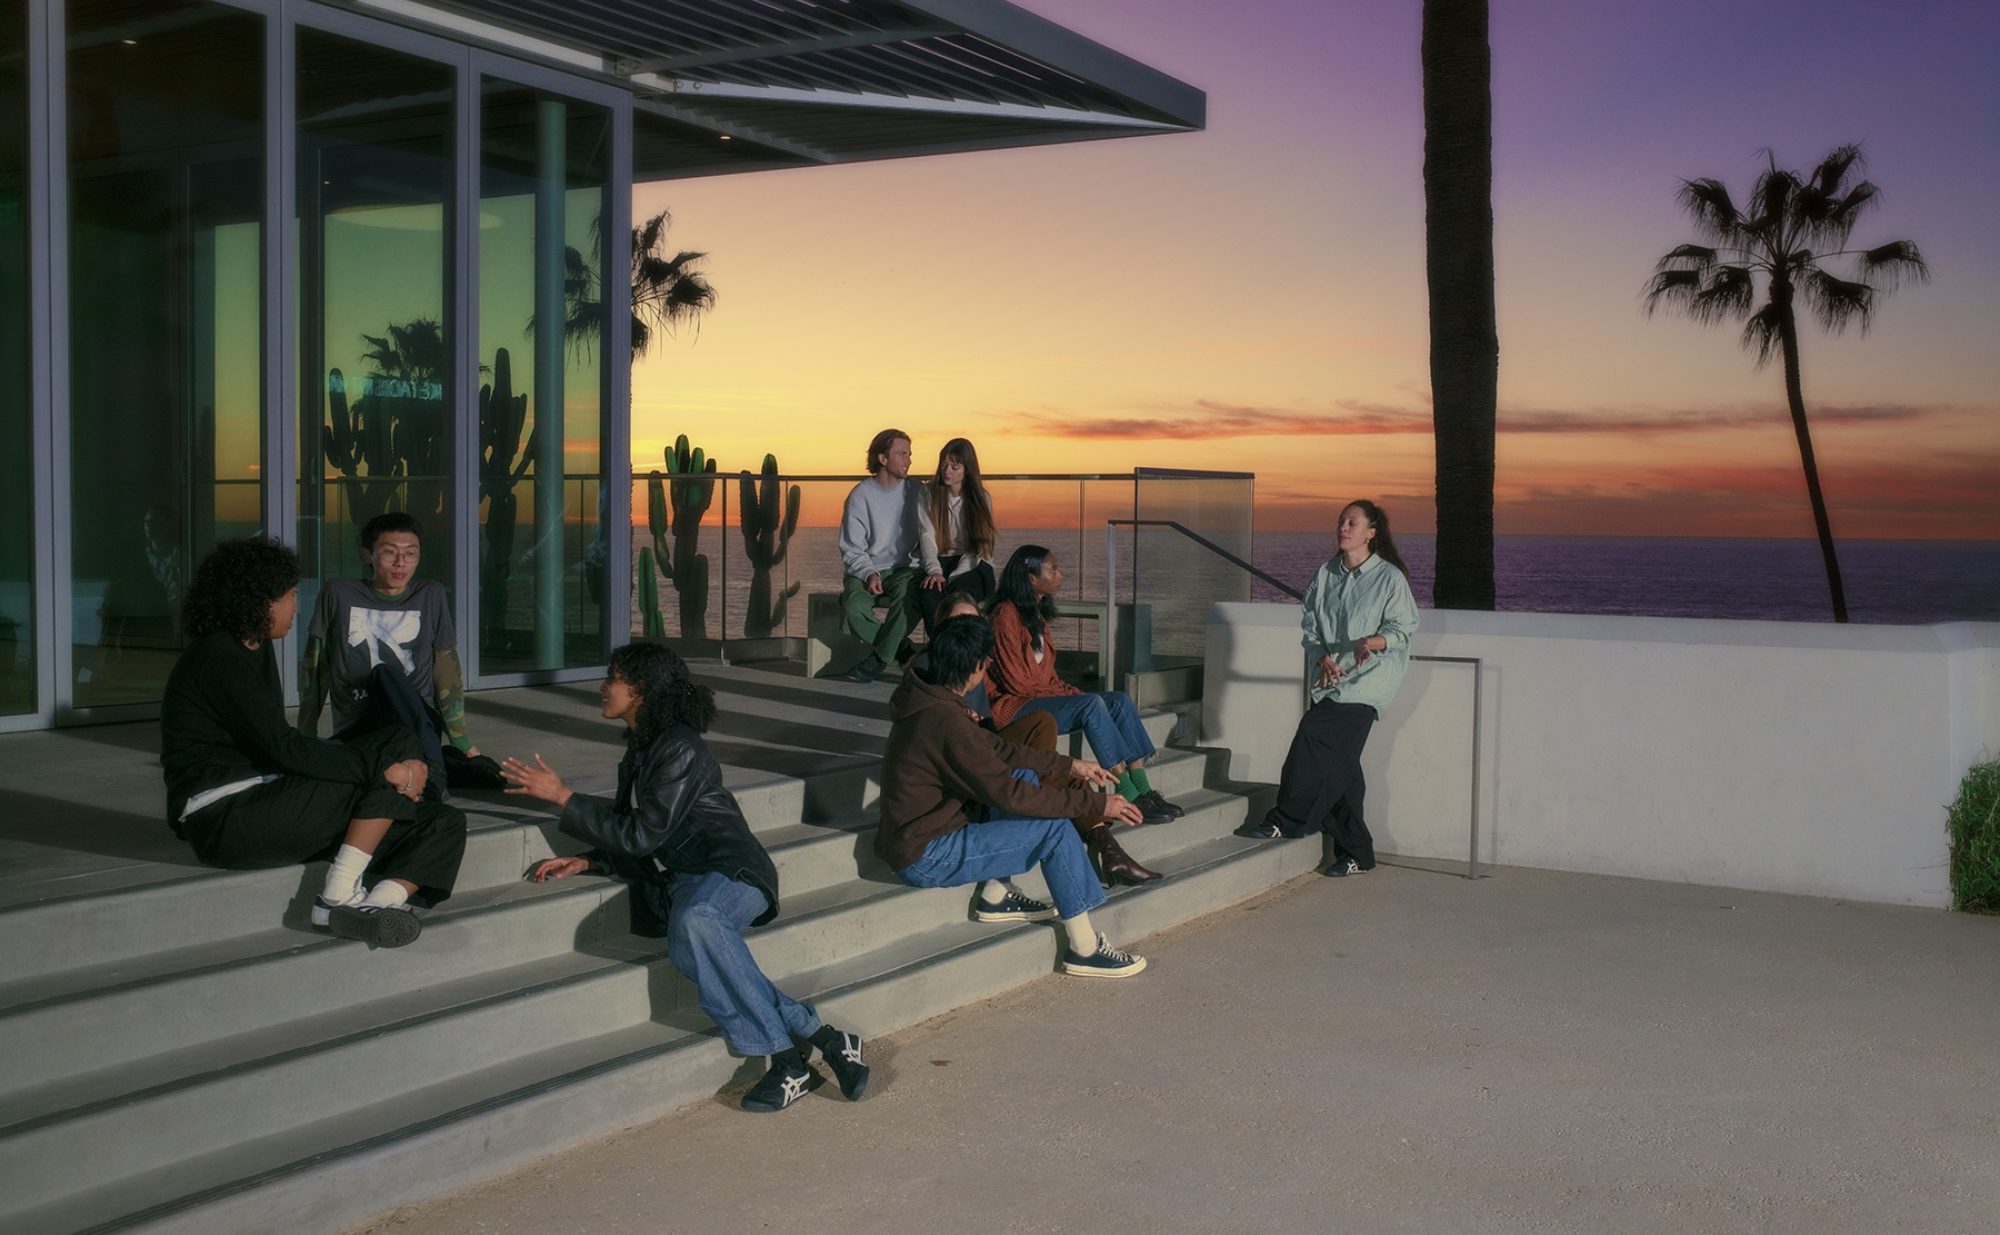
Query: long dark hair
[667,697]
[975,512]
[234,586]
[1383,546]
[1017,588]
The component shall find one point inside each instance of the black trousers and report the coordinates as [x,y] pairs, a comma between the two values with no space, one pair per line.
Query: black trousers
[298,819]
[977,583]
[1321,787]
[393,702]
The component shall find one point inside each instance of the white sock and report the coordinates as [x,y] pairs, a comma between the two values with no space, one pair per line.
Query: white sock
[387,894]
[343,878]
[1082,936]
[993,891]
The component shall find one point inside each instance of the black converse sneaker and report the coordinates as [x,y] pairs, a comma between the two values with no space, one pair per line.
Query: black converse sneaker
[1013,907]
[373,925]
[844,1057]
[1266,828]
[783,1085]
[1106,962]
[1340,868]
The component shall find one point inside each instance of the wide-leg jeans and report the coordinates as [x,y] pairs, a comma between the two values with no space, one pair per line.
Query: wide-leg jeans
[1108,718]
[1003,847]
[705,942]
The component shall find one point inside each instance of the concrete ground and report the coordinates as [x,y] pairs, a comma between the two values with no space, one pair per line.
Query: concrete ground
[1404,1051]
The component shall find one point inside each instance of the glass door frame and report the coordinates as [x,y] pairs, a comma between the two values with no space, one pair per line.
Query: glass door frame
[46,200]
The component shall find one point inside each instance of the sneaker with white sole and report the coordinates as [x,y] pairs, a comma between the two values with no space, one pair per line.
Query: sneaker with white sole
[1013,907]
[1106,962]
[373,925]
[780,1087]
[845,1059]
[1340,868]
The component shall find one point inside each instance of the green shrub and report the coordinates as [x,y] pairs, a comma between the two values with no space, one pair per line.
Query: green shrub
[1975,841]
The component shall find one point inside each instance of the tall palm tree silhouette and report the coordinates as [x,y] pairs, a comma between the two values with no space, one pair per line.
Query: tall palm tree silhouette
[1792,226]
[1458,263]
[666,290]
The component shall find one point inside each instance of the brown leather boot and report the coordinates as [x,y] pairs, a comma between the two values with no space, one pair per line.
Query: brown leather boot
[1114,865]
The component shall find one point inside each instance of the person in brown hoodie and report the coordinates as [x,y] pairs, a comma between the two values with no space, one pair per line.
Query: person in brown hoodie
[940,770]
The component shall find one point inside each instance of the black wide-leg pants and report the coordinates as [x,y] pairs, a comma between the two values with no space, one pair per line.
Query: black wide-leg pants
[298,819]
[1321,787]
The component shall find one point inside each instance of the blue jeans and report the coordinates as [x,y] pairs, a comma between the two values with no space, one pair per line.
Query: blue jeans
[705,942]
[1007,846]
[1109,721]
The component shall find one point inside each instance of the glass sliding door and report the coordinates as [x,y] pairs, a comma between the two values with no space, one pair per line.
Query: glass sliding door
[165,418]
[544,299]
[17,524]
[374,233]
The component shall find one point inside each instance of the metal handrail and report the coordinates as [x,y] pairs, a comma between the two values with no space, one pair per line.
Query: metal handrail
[1111,537]
[638,473]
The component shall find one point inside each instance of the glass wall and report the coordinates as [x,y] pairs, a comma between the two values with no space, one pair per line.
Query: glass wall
[544,304]
[166,191]
[375,134]
[17,597]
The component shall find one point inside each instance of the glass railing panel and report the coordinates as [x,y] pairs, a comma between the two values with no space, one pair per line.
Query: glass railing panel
[1177,577]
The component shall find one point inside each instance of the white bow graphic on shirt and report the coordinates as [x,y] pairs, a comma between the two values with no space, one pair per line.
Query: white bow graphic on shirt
[390,628]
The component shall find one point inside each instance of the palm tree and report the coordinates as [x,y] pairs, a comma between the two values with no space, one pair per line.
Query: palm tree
[1794,225]
[666,291]
[1458,260]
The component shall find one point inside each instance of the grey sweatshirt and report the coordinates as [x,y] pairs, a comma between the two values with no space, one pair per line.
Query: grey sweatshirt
[878,528]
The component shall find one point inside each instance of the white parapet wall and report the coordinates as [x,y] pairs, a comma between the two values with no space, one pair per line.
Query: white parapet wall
[1786,757]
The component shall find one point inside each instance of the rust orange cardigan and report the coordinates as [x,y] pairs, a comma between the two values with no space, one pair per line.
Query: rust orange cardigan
[1015,678]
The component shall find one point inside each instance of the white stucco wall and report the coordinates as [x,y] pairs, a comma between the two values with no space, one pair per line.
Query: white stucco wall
[1786,757]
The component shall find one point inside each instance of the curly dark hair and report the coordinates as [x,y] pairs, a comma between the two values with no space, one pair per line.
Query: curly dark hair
[667,697]
[234,586]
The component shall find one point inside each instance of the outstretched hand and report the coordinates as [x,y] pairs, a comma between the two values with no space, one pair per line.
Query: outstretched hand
[557,868]
[538,781]
[1120,810]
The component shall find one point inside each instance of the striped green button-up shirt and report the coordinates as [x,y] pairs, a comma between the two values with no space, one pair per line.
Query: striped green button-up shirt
[1343,605]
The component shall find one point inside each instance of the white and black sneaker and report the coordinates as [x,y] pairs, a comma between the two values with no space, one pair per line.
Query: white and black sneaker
[371,924]
[783,1085]
[1012,907]
[1340,868]
[1106,962]
[844,1057]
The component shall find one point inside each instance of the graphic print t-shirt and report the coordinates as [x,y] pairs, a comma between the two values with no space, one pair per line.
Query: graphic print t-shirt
[361,629]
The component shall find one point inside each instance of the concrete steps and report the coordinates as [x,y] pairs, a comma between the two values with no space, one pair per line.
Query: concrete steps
[243,1077]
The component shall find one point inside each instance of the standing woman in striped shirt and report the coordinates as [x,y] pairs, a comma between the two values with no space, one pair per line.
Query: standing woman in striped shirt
[1358,617]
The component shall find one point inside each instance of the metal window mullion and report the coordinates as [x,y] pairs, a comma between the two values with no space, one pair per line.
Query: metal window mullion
[465,361]
[47,144]
[280,290]
[615,444]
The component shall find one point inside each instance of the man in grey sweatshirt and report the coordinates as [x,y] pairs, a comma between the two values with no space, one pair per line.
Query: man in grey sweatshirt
[878,552]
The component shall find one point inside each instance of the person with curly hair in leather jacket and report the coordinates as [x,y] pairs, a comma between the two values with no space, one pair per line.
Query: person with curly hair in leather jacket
[679,837]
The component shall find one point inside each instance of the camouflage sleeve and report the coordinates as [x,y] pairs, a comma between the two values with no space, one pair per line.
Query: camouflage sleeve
[314,675]
[450,683]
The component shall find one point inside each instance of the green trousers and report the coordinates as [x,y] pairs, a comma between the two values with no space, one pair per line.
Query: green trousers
[898,600]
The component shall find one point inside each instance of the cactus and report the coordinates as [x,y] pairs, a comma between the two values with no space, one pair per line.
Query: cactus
[357,438]
[650,622]
[767,536]
[502,415]
[689,499]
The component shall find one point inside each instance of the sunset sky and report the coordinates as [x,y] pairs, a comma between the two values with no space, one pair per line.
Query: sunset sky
[1252,297]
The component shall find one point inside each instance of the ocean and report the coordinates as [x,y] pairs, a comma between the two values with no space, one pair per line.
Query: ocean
[1896,582]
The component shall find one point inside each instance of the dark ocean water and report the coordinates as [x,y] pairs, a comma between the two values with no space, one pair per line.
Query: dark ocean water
[1901,581]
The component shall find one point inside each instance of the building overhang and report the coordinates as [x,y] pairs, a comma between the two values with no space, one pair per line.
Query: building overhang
[747,85]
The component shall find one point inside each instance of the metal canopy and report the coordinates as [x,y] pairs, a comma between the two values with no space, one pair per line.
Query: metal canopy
[742,85]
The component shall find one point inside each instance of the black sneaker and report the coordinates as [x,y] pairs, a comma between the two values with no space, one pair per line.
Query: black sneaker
[1265,829]
[1106,962]
[867,671]
[1343,867]
[1153,805]
[1013,907]
[845,1060]
[373,925]
[780,1087]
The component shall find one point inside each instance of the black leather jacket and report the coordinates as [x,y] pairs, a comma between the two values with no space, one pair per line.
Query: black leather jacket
[672,816]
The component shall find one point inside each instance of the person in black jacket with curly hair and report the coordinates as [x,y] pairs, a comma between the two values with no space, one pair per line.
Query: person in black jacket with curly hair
[246,791]
[679,837]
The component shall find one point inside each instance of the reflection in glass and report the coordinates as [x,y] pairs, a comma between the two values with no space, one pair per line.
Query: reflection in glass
[17,604]
[545,165]
[374,346]
[166,180]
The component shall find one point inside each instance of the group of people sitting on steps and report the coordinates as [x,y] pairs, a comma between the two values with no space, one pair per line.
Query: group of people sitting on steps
[974,792]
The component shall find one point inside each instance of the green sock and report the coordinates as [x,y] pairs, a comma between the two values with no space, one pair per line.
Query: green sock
[1138,776]
[1126,789]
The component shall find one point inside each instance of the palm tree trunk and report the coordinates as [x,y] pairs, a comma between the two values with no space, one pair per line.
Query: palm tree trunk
[1788,341]
[1458,260]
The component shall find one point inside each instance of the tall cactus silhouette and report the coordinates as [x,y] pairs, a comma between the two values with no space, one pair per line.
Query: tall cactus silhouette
[767,536]
[650,622]
[359,443]
[502,414]
[689,489]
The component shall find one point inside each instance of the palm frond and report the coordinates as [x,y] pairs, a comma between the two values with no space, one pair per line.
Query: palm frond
[1888,265]
[1706,296]
[1762,333]
[1772,197]
[1696,257]
[1836,301]
[1708,203]
[1833,169]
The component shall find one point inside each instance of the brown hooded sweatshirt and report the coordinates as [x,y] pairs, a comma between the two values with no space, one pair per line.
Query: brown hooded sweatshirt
[939,763]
